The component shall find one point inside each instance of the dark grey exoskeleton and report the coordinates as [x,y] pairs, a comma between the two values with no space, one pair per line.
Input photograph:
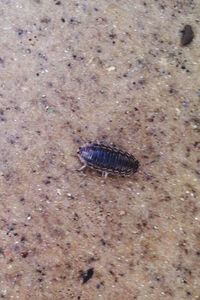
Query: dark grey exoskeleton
[107,159]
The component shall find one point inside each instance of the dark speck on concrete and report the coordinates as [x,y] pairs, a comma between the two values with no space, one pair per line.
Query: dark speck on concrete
[87,275]
[24,254]
[45,20]
[187,35]
[20,31]
[1,61]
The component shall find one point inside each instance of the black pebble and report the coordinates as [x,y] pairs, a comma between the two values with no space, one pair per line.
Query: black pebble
[187,35]
[87,275]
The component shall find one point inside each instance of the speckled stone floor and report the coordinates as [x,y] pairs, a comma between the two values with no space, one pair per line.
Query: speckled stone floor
[73,71]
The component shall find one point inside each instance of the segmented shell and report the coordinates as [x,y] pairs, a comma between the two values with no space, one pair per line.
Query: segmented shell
[108,159]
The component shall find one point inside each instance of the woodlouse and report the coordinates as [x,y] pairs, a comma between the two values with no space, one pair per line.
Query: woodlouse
[107,159]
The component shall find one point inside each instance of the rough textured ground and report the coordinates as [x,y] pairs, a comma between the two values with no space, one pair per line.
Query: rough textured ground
[73,71]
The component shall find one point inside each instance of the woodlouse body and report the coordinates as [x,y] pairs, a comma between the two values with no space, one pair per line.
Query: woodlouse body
[108,159]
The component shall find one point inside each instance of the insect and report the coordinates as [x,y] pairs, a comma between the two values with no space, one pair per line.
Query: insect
[107,159]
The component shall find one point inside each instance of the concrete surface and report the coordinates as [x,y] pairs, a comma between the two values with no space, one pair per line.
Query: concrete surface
[74,71]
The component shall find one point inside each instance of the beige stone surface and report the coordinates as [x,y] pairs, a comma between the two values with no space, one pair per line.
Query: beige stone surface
[74,71]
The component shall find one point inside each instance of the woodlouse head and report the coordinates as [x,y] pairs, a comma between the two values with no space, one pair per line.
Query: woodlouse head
[85,153]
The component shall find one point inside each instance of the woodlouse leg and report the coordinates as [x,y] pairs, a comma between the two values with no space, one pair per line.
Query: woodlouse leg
[147,176]
[105,174]
[82,167]
[84,164]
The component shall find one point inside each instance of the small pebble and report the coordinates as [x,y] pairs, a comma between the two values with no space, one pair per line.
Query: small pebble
[122,213]
[111,68]
[87,275]
[187,35]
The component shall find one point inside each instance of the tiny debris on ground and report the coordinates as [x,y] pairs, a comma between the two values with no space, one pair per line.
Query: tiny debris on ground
[187,35]
[87,275]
